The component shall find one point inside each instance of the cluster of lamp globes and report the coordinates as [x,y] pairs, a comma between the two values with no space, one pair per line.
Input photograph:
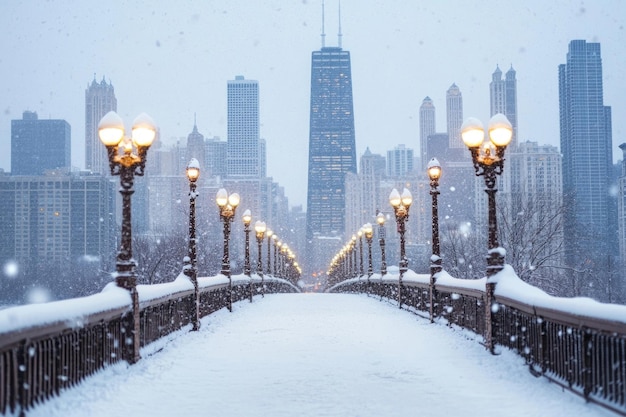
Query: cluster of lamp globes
[112,134]
[500,132]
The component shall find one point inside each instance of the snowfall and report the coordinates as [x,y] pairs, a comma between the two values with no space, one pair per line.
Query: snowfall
[318,355]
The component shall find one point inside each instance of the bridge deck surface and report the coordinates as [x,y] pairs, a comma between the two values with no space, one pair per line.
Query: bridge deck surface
[319,355]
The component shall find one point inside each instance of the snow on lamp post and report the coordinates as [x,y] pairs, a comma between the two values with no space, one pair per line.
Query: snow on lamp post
[360,236]
[193,173]
[277,245]
[380,219]
[369,233]
[227,205]
[259,228]
[129,162]
[269,235]
[247,269]
[434,173]
[489,163]
[401,204]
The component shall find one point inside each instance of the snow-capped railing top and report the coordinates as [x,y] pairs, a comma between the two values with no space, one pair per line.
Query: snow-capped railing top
[511,290]
[111,301]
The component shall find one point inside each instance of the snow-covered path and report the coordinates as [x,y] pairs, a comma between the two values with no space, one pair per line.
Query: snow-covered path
[319,355]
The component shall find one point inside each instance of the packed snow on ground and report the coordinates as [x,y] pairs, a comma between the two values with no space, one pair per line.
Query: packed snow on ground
[319,355]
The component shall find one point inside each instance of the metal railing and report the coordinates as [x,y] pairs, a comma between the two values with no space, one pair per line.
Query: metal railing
[41,359]
[585,354]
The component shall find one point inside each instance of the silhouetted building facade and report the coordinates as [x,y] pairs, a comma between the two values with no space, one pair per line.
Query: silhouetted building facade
[587,158]
[332,151]
[244,149]
[39,145]
[99,100]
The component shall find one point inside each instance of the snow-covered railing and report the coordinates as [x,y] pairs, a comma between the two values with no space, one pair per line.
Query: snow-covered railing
[578,343]
[45,348]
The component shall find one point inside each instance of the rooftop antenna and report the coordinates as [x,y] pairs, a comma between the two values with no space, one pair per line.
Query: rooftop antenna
[323,34]
[339,35]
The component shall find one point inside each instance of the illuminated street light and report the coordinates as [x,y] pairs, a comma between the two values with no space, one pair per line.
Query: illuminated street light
[227,205]
[380,219]
[259,228]
[434,173]
[127,164]
[489,163]
[193,173]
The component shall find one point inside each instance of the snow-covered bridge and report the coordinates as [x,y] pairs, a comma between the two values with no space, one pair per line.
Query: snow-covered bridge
[316,354]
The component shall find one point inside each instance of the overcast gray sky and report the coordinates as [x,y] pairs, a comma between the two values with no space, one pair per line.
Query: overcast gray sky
[173,59]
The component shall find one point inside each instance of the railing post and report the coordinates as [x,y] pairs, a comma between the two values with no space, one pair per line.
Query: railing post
[587,351]
[489,290]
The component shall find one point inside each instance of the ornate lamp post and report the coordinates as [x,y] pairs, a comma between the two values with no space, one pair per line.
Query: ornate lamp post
[368,231]
[489,162]
[193,172]
[380,219]
[247,219]
[269,235]
[227,205]
[360,235]
[259,228]
[277,245]
[434,173]
[274,243]
[401,205]
[247,269]
[488,165]
[127,165]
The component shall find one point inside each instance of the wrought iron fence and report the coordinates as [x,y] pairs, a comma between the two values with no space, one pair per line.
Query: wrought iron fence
[42,360]
[586,355]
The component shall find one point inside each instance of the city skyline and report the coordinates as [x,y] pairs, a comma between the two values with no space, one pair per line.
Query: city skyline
[400,54]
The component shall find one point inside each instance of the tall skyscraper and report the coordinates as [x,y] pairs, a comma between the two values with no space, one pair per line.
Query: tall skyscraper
[332,151]
[427,128]
[454,116]
[99,100]
[244,149]
[587,157]
[503,94]
[621,210]
[399,161]
[39,145]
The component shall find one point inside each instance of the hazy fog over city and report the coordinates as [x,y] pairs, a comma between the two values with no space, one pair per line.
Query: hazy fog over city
[173,62]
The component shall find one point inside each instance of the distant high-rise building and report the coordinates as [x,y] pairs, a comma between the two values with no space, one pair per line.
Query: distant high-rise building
[503,94]
[454,116]
[332,152]
[195,147]
[399,161]
[427,128]
[99,100]
[538,187]
[587,157]
[57,218]
[244,150]
[621,210]
[215,158]
[39,145]
[363,193]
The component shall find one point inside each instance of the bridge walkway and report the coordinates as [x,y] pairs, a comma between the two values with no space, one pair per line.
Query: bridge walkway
[319,355]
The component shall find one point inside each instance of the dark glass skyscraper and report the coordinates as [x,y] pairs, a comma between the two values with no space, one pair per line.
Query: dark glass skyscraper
[587,157]
[39,145]
[332,151]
